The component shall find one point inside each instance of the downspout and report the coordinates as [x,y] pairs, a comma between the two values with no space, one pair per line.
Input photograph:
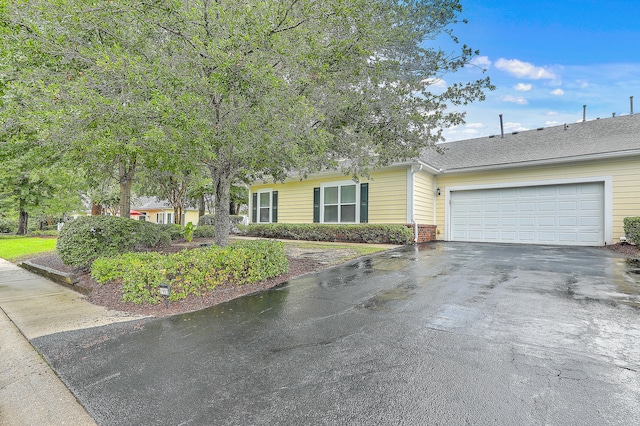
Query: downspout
[413,203]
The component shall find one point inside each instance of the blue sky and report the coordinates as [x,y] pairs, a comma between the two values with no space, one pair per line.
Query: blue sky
[548,59]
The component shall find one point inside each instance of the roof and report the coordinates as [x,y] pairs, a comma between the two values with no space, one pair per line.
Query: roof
[596,139]
[149,203]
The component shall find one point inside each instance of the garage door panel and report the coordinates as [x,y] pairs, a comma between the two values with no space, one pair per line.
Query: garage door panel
[570,206]
[568,221]
[547,221]
[570,214]
[567,190]
[547,206]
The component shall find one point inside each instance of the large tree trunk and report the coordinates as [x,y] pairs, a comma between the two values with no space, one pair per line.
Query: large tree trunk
[127,170]
[23,222]
[201,207]
[222,183]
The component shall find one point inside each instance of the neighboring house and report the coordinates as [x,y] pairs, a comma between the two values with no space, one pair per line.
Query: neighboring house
[152,210]
[568,185]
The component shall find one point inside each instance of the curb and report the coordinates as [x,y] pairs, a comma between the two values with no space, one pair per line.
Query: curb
[67,280]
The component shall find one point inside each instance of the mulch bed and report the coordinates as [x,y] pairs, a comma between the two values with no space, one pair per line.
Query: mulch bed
[110,295]
[627,249]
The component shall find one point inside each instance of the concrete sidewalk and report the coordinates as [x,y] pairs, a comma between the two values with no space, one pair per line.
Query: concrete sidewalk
[32,306]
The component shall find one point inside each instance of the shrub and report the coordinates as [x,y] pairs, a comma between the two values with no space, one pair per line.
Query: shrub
[191,271]
[8,225]
[207,219]
[48,233]
[363,233]
[235,219]
[173,229]
[204,231]
[85,239]
[632,229]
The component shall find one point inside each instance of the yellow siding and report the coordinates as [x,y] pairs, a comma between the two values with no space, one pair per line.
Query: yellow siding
[423,196]
[624,174]
[387,196]
[192,216]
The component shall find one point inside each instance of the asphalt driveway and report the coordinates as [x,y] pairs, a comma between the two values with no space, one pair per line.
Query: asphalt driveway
[439,334]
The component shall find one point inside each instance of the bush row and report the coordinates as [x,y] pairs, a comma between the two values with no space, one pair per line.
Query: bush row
[362,233]
[191,271]
[85,239]
[208,219]
[632,229]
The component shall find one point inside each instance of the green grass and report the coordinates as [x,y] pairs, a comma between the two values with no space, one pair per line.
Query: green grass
[15,248]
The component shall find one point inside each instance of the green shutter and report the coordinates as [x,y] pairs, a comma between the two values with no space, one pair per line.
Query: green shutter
[274,207]
[316,205]
[254,208]
[364,203]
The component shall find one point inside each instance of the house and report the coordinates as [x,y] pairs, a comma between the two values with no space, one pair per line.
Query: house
[152,210]
[567,185]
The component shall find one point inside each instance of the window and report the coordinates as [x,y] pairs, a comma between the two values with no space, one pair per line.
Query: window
[264,206]
[159,218]
[339,202]
[169,217]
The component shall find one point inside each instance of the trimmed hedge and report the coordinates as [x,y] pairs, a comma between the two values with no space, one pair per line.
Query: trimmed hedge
[632,229]
[363,233]
[85,239]
[208,219]
[204,231]
[191,271]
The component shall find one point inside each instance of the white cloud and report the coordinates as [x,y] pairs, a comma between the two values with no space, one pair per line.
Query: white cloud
[514,127]
[552,113]
[558,92]
[522,87]
[481,61]
[583,84]
[551,123]
[437,83]
[520,100]
[474,125]
[524,69]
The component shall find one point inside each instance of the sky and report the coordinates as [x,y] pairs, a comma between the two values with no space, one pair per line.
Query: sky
[547,59]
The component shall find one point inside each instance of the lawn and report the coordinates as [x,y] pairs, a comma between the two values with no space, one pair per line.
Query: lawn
[15,248]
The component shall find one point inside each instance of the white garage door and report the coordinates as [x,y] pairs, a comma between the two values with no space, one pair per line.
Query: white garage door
[552,214]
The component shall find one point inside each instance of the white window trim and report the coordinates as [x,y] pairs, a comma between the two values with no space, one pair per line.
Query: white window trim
[340,183]
[262,191]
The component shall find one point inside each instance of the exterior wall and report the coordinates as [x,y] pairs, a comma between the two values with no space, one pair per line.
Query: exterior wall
[624,190]
[387,196]
[423,197]
[152,215]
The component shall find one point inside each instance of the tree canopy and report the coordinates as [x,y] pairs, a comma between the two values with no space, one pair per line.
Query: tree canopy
[246,89]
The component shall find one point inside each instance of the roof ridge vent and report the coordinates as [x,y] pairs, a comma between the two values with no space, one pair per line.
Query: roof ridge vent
[540,128]
[514,133]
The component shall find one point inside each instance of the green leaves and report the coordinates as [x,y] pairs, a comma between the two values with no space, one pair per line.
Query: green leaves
[191,271]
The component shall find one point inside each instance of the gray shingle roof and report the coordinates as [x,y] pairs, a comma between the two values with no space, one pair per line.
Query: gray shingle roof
[610,137]
[149,203]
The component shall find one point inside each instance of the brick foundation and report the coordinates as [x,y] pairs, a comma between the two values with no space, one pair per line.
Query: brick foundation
[426,233]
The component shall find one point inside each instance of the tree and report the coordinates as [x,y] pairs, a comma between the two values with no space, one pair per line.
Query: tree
[33,180]
[107,96]
[256,89]
[301,85]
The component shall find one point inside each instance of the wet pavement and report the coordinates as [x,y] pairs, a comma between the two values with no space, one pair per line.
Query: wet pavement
[437,334]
